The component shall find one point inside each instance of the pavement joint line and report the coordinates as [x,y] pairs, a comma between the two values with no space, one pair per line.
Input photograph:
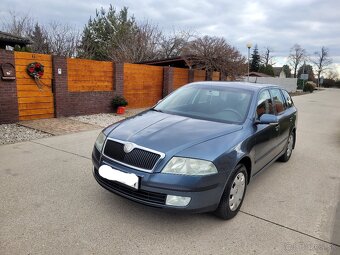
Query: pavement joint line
[291,229]
[21,125]
[75,154]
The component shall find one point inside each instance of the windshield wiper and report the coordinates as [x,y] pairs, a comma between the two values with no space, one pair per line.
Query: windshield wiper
[156,110]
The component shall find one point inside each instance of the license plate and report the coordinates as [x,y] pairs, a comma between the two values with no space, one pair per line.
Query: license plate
[111,174]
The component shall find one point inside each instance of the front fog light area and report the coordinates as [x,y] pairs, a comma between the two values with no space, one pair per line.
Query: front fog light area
[177,200]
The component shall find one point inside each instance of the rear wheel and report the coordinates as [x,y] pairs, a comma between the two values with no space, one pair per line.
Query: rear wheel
[233,194]
[289,149]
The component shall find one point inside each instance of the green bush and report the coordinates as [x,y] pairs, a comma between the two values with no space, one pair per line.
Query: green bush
[300,84]
[308,87]
[119,101]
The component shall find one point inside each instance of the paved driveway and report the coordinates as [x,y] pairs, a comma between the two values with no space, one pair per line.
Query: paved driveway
[50,203]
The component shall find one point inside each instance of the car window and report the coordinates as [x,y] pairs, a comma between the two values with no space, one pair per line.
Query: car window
[183,98]
[214,103]
[289,101]
[264,104]
[278,101]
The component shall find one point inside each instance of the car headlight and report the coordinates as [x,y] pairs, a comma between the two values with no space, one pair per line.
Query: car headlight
[189,166]
[100,141]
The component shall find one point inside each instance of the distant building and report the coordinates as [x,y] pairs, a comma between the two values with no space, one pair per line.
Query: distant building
[9,41]
[279,72]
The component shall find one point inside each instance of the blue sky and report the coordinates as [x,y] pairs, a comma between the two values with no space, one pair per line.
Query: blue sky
[267,23]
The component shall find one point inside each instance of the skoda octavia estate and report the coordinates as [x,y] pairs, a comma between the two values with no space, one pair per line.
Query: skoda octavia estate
[199,147]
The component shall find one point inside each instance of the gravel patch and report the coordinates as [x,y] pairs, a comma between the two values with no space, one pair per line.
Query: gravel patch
[106,119]
[101,119]
[13,133]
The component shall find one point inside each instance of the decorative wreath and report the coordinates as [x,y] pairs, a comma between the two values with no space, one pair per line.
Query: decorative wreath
[35,70]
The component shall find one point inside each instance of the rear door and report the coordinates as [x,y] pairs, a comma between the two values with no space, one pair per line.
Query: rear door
[284,119]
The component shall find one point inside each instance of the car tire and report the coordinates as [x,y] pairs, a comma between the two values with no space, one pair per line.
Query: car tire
[233,195]
[289,148]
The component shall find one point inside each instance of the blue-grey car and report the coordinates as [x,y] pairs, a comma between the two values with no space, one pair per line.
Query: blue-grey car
[198,148]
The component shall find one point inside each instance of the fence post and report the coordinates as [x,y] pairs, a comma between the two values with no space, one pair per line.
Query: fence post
[9,112]
[168,80]
[191,75]
[59,85]
[118,86]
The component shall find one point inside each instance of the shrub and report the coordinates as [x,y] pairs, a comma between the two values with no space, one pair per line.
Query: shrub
[119,101]
[299,84]
[309,87]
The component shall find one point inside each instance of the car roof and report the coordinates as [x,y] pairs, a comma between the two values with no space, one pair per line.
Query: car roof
[235,84]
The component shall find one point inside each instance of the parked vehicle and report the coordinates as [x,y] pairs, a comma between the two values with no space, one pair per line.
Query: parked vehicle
[197,149]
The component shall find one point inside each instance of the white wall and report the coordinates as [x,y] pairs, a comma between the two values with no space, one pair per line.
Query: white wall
[289,84]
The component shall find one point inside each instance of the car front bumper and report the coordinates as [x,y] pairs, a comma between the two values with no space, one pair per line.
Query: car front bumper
[205,191]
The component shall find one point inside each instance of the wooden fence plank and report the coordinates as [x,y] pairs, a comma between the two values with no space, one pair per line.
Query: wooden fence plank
[37,116]
[34,106]
[47,99]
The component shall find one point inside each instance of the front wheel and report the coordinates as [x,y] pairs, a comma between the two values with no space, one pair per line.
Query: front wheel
[289,149]
[233,194]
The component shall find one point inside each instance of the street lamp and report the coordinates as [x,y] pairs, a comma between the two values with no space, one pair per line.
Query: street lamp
[248,46]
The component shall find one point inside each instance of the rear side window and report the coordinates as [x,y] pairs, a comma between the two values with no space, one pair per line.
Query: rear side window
[264,104]
[289,101]
[279,102]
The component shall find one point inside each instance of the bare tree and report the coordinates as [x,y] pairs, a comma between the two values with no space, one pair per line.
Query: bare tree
[296,57]
[139,44]
[17,25]
[172,44]
[214,54]
[63,39]
[267,58]
[332,74]
[321,61]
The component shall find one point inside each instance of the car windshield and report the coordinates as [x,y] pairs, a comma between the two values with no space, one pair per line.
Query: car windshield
[215,103]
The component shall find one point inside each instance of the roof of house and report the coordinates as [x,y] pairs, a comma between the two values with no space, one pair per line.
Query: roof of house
[174,62]
[13,39]
[257,74]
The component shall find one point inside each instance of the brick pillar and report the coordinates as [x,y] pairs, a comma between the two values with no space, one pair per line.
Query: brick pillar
[9,112]
[118,86]
[191,75]
[168,80]
[60,88]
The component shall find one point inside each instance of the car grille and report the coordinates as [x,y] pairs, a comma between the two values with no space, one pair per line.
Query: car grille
[137,158]
[141,195]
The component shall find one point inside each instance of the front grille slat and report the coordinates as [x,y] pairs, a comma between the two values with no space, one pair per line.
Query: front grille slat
[138,157]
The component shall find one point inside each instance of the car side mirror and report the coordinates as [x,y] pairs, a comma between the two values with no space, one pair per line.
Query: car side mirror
[267,119]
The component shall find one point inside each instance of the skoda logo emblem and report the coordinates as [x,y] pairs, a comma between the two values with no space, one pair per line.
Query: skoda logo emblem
[128,147]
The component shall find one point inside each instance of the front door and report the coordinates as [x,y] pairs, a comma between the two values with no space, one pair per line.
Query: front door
[265,135]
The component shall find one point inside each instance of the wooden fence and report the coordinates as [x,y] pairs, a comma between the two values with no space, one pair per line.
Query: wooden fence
[180,77]
[200,75]
[32,102]
[143,84]
[89,75]
[85,86]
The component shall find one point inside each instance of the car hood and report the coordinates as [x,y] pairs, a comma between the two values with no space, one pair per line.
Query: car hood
[169,133]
